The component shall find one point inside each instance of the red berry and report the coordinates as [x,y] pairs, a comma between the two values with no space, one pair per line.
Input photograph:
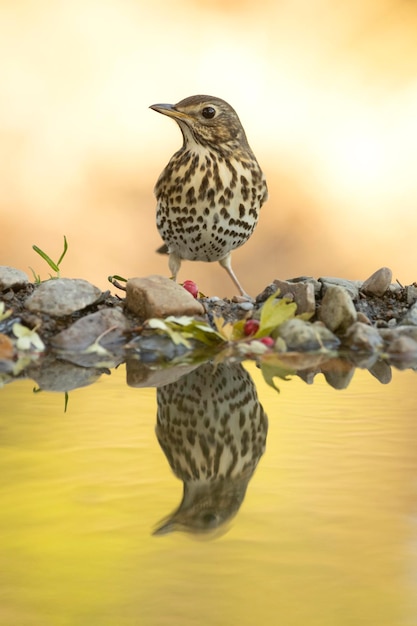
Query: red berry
[191,287]
[267,341]
[250,327]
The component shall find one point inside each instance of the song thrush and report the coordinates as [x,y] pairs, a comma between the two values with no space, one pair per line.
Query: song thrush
[210,193]
[212,429]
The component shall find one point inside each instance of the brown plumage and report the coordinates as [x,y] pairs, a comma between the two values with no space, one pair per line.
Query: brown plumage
[210,193]
[212,429]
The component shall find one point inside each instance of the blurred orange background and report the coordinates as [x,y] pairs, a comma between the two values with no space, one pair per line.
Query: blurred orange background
[327,93]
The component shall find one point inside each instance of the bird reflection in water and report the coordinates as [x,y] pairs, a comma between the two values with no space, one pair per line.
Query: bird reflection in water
[212,429]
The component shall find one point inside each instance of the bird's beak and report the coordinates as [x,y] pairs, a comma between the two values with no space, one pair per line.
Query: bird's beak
[168,109]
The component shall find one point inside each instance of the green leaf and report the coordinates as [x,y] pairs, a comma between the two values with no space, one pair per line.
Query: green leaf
[46,258]
[64,251]
[271,370]
[273,313]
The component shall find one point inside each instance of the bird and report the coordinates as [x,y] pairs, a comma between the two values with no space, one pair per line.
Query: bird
[212,429]
[210,193]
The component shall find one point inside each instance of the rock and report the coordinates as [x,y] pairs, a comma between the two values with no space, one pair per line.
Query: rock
[157,296]
[411,294]
[378,283]
[351,286]
[111,323]
[55,375]
[63,296]
[337,311]
[362,337]
[390,334]
[138,374]
[382,372]
[12,278]
[338,372]
[300,336]
[403,352]
[303,294]
[410,318]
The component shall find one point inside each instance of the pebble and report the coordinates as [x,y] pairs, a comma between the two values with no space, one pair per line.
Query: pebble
[302,336]
[85,331]
[245,306]
[56,375]
[403,352]
[351,286]
[338,373]
[362,337]
[382,372]
[337,311]
[302,292]
[158,296]
[62,296]
[378,283]
[410,318]
[139,374]
[10,277]
[411,294]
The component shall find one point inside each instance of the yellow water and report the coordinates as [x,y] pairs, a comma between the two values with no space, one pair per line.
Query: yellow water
[326,535]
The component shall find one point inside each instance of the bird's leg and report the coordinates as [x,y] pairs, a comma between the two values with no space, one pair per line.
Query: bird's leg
[227,264]
[174,263]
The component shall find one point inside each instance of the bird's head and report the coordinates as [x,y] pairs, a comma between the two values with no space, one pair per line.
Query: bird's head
[206,120]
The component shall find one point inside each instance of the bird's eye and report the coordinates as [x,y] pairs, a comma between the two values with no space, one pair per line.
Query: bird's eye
[208,112]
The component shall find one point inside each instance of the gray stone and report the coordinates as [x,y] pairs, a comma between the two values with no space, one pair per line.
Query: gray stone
[410,318]
[111,323]
[337,311]
[351,286]
[302,336]
[62,296]
[403,352]
[382,372]
[360,336]
[55,375]
[338,373]
[411,294]
[157,296]
[302,293]
[11,277]
[390,334]
[378,283]
[138,374]
[317,285]
[246,306]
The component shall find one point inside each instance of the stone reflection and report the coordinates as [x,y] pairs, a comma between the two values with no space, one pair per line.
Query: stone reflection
[212,429]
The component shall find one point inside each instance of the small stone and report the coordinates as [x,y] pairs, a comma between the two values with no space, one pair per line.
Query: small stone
[301,336]
[403,352]
[389,334]
[62,296]
[411,294]
[85,331]
[338,373]
[351,286]
[382,372]
[56,375]
[157,296]
[337,311]
[362,337]
[138,374]
[410,318]
[303,294]
[245,306]
[10,278]
[378,283]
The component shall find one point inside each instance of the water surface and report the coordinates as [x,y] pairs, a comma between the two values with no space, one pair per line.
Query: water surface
[326,534]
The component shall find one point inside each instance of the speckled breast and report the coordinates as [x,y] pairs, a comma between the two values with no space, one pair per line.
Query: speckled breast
[208,204]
